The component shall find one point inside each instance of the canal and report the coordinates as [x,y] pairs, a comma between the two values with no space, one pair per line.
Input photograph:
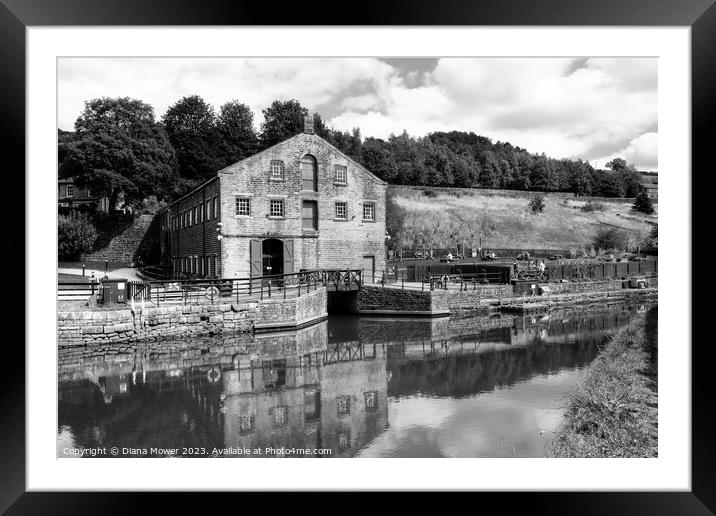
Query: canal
[346,387]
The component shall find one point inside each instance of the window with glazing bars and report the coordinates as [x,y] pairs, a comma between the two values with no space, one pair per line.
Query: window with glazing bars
[276,208]
[243,206]
[276,169]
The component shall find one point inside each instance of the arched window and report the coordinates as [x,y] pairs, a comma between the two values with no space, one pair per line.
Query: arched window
[309,173]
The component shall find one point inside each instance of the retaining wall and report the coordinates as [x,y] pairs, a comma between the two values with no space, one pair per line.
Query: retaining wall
[102,326]
[418,302]
[125,238]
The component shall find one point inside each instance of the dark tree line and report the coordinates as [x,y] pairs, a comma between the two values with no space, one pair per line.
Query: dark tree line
[460,159]
[120,150]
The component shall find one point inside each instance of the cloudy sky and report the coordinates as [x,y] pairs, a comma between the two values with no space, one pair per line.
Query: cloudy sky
[588,108]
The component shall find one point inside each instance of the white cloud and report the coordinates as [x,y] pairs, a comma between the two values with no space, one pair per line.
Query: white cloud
[587,108]
[642,151]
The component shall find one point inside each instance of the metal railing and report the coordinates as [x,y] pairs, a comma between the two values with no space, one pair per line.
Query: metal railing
[222,290]
[226,290]
[76,290]
[407,280]
[346,279]
[436,253]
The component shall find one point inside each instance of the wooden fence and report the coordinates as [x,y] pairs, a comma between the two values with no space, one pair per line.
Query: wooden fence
[595,270]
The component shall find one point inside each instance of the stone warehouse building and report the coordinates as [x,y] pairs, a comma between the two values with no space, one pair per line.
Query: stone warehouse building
[299,205]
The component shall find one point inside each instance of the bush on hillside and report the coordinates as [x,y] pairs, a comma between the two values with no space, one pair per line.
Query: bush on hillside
[75,235]
[611,238]
[536,203]
[643,203]
[593,206]
[152,205]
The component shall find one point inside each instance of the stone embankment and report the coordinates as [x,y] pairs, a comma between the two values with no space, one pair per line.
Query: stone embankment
[390,300]
[82,327]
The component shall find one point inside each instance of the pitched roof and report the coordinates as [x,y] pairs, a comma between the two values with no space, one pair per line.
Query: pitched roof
[322,140]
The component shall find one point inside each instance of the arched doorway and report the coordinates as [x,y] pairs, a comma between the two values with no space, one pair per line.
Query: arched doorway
[272,256]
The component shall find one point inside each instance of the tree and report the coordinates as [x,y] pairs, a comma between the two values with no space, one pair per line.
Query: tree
[235,124]
[378,158]
[119,151]
[75,235]
[541,176]
[632,182]
[191,126]
[617,164]
[643,203]
[190,114]
[537,203]
[320,127]
[653,240]
[281,121]
[611,238]
[609,184]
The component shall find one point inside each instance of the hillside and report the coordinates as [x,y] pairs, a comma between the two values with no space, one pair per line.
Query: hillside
[503,218]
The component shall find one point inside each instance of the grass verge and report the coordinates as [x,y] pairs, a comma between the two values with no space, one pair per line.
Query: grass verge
[613,412]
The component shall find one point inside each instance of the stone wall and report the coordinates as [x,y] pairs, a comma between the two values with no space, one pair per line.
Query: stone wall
[456,301]
[592,286]
[281,313]
[436,302]
[393,299]
[336,243]
[102,326]
[124,238]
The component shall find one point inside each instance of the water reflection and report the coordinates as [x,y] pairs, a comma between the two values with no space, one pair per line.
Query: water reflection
[472,386]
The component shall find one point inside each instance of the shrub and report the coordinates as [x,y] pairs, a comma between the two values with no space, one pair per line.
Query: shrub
[75,235]
[430,193]
[643,203]
[536,203]
[151,205]
[611,238]
[653,239]
[593,206]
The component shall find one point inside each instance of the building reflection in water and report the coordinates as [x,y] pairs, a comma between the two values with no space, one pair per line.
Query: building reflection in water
[287,390]
[326,386]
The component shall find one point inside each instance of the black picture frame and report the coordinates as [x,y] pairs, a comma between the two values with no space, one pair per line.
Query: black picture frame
[700,15]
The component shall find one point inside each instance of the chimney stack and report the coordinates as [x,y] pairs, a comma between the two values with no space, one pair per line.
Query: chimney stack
[308,124]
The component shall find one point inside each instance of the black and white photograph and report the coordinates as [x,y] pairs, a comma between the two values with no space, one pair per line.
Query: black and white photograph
[357,257]
[427,253]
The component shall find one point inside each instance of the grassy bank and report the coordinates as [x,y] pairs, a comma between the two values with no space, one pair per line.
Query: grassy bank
[613,412]
[505,221]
